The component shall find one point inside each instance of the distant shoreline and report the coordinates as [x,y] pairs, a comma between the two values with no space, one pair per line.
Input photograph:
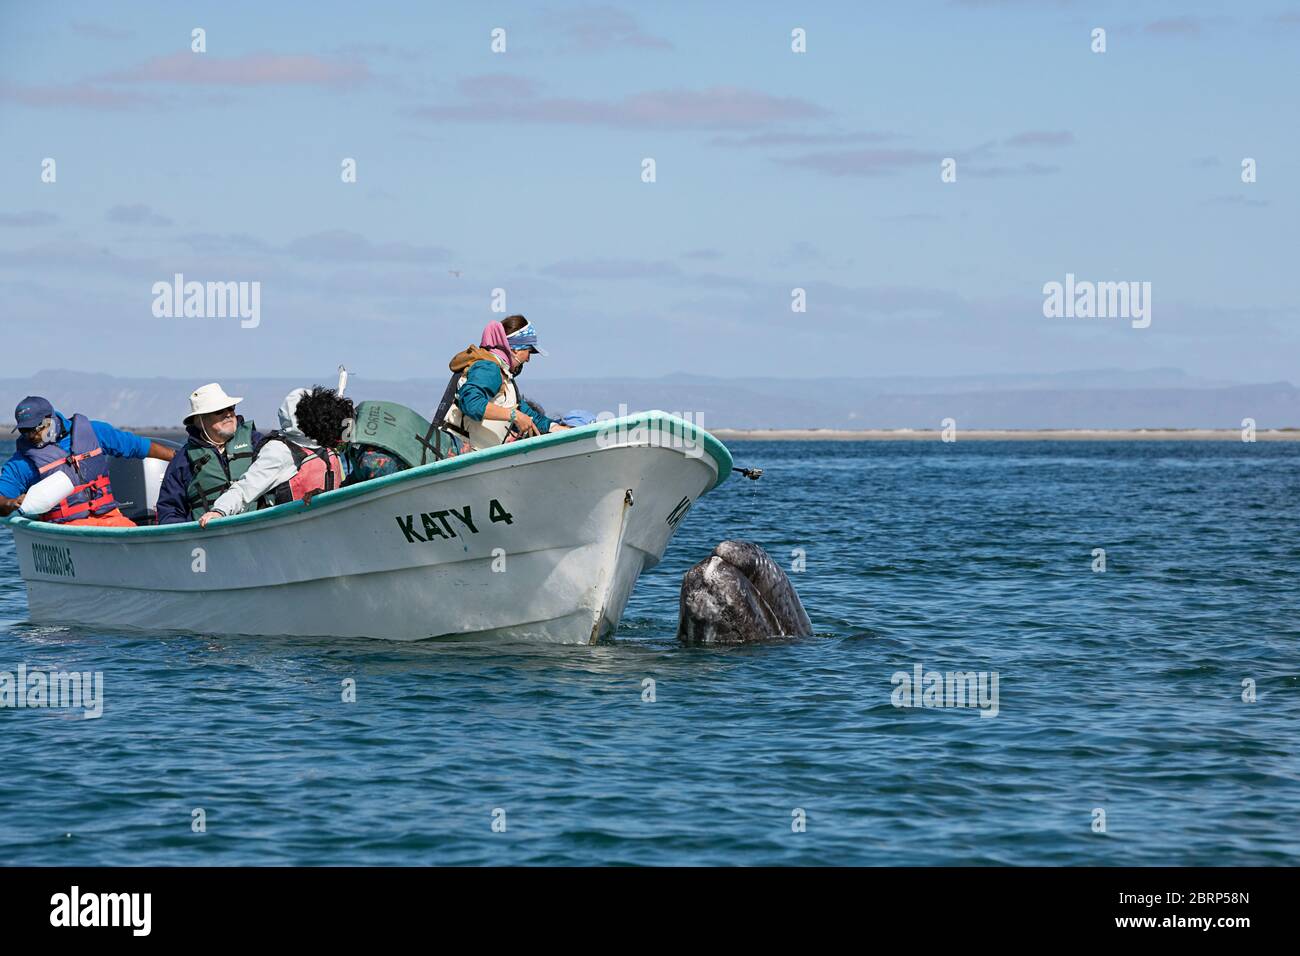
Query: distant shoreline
[910,434]
[1007,434]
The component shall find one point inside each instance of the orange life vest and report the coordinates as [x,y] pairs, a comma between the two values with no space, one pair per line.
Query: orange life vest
[318,469]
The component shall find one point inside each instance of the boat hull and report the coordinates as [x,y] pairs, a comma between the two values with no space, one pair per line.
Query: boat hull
[541,540]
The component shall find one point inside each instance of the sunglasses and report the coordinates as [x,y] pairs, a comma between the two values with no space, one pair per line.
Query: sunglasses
[31,433]
[35,428]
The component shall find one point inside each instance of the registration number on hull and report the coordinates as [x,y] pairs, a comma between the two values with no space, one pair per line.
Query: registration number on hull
[53,559]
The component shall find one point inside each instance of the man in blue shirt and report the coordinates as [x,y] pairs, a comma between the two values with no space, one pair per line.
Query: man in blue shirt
[50,442]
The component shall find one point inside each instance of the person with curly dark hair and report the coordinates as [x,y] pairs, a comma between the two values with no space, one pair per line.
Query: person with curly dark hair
[322,416]
[297,461]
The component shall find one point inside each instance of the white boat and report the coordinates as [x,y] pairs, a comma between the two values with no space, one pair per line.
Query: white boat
[539,540]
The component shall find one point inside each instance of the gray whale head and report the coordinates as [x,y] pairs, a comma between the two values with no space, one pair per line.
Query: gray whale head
[738,595]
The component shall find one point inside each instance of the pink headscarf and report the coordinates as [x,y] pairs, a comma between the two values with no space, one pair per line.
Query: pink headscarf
[494,340]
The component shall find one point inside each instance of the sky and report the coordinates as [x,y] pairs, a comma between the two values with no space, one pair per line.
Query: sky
[524,171]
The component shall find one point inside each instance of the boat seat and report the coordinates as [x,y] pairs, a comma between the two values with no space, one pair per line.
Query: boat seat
[136,483]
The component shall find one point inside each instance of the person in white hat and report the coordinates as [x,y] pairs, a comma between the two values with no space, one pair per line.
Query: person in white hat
[217,454]
[296,461]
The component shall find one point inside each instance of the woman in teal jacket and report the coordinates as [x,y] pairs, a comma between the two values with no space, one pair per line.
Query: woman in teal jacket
[488,408]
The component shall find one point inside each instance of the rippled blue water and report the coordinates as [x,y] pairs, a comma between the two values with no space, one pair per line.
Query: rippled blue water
[1119,690]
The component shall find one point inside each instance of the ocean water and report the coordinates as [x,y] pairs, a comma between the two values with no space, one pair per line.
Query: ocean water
[1119,692]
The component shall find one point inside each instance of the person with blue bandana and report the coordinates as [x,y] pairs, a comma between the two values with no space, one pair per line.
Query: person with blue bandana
[483,403]
[51,444]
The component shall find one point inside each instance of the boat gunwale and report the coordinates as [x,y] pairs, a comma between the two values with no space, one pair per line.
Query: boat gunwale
[716,449]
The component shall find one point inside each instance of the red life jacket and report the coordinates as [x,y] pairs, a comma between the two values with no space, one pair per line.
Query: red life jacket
[85,464]
[318,469]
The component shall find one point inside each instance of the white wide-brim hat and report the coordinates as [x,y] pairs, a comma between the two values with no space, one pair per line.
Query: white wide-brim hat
[210,398]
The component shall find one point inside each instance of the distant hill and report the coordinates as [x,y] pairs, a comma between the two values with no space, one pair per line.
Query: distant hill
[1154,398]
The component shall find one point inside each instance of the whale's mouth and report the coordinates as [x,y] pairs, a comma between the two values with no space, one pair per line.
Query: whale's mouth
[738,595]
[754,592]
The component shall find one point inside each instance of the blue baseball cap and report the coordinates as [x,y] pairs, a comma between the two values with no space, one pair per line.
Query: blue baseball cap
[31,411]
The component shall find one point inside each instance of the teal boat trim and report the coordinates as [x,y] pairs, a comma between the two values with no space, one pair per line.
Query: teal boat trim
[662,421]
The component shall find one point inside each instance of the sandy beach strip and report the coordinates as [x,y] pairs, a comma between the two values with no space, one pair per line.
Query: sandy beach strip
[907,434]
[921,434]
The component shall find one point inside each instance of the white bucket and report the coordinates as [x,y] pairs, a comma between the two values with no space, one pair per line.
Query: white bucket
[46,493]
